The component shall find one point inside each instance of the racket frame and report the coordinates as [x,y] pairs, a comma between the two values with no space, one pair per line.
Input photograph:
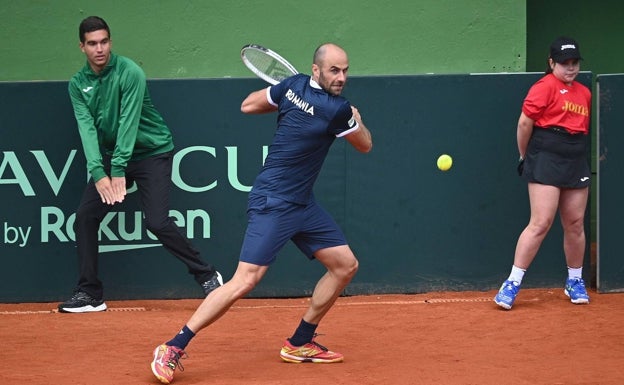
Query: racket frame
[266,51]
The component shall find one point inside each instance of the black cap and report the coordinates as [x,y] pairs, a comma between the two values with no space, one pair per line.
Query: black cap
[564,48]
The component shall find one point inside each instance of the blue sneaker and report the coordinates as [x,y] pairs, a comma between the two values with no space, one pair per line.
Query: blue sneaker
[507,294]
[575,289]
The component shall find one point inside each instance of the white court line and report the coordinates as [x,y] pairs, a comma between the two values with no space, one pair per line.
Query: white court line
[113,309]
[302,305]
[26,312]
[372,303]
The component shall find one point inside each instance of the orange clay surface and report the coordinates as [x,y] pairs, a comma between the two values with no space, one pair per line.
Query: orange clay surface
[433,338]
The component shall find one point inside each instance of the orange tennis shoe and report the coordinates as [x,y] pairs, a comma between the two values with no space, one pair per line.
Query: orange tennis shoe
[310,352]
[166,360]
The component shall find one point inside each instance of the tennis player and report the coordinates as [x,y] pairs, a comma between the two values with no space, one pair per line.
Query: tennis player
[282,207]
[552,140]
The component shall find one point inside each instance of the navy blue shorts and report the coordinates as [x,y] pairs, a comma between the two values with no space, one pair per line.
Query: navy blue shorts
[273,221]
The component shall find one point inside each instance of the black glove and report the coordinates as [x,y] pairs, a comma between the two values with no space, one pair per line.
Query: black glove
[520,166]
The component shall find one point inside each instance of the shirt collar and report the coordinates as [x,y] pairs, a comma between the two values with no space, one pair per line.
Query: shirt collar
[314,84]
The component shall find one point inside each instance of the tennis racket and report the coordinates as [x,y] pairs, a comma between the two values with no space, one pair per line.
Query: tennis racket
[268,65]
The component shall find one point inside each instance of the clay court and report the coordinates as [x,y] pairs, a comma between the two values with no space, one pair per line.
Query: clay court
[434,338]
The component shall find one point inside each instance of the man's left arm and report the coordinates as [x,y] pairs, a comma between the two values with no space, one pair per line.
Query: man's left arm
[361,138]
[132,86]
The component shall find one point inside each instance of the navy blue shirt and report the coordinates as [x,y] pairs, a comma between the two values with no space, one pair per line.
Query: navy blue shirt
[309,119]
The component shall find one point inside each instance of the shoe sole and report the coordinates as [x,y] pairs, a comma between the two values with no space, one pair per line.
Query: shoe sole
[160,378]
[579,301]
[503,305]
[301,360]
[84,309]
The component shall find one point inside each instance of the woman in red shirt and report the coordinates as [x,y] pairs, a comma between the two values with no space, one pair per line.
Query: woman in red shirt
[552,140]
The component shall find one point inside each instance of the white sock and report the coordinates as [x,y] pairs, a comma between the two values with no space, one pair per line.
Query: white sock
[575,272]
[516,274]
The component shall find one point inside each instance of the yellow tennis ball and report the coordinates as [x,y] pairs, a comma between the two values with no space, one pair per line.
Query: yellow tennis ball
[445,162]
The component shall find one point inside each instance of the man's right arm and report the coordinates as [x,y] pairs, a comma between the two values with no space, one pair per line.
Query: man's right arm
[88,133]
[257,102]
[91,147]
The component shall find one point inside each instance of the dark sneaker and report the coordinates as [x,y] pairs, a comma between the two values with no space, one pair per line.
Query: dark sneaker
[82,302]
[214,282]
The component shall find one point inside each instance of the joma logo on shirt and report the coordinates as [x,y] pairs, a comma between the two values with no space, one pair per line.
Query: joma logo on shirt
[575,108]
[297,101]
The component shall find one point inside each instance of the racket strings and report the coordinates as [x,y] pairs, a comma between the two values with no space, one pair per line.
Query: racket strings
[268,65]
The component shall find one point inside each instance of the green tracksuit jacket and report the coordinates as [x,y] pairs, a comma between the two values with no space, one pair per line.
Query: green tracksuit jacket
[114,112]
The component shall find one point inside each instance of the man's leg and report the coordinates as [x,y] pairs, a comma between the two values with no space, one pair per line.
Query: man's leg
[89,291]
[341,266]
[153,178]
[217,303]
[271,223]
[245,278]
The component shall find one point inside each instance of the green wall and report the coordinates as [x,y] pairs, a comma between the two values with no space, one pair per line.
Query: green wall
[413,227]
[202,39]
[597,25]
[610,272]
